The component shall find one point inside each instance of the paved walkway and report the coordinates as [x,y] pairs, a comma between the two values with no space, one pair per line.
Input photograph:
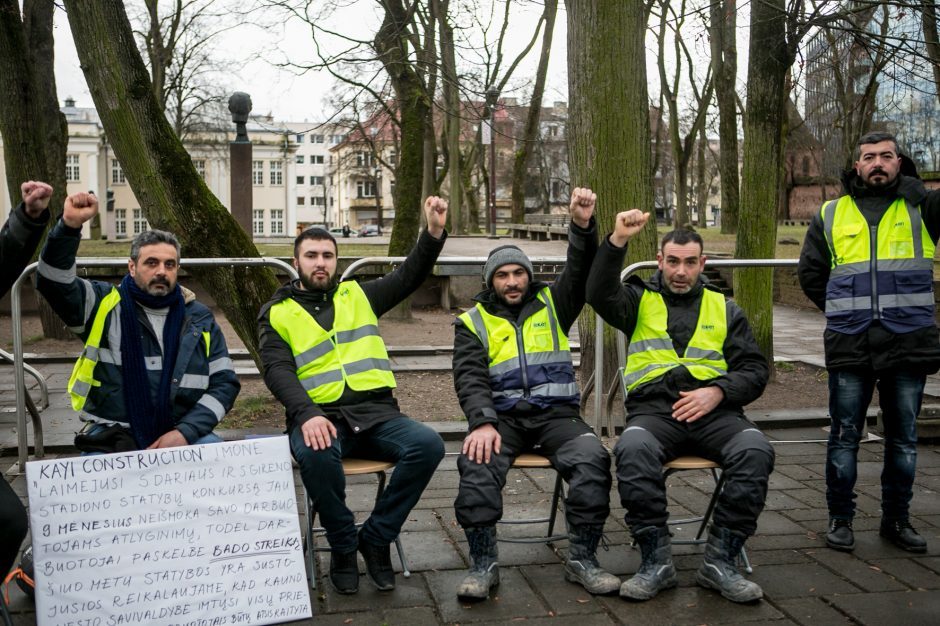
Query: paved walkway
[804,582]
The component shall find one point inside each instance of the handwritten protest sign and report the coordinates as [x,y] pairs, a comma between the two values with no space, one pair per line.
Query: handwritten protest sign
[199,536]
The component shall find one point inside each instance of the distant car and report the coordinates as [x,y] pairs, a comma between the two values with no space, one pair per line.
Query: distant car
[337,231]
[369,230]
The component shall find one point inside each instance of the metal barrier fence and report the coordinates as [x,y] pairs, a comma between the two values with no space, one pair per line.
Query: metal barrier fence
[599,324]
[19,367]
[447,260]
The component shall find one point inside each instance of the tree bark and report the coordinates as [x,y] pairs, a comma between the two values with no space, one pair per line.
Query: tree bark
[531,132]
[171,193]
[35,132]
[928,18]
[452,118]
[768,64]
[609,131]
[725,63]
[392,48]
[702,183]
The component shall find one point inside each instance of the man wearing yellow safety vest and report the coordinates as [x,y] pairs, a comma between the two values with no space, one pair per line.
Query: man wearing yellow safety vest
[867,261]
[325,361]
[155,371]
[516,384]
[692,364]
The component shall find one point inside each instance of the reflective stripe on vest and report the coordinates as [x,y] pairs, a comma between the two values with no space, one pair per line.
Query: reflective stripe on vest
[530,362]
[352,353]
[651,353]
[83,373]
[897,287]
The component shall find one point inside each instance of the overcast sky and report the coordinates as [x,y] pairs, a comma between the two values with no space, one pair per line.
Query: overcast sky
[282,93]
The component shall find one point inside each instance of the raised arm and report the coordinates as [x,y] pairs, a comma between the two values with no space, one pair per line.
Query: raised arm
[614,301]
[568,289]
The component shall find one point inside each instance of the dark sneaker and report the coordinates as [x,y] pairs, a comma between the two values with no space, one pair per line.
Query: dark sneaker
[840,535]
[378,565]
[344,572]
[902,534]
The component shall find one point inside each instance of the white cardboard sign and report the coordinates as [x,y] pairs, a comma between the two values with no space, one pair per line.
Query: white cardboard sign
[198,536]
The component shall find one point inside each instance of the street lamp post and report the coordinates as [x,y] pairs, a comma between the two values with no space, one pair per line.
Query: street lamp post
[378,196]
[492,96]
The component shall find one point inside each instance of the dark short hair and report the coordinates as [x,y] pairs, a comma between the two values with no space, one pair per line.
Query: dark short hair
[681,236]
[317,234]
[151,237]
[875,137]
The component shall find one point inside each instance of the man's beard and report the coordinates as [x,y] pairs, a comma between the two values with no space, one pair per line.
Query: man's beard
[311,284]
[501,295]
[157,287]
[884,182]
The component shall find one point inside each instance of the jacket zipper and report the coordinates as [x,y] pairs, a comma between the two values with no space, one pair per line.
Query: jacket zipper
[522,364]
[873,243]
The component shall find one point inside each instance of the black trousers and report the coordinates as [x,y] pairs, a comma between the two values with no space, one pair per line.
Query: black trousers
[574,451]
[729,439]
[13,527]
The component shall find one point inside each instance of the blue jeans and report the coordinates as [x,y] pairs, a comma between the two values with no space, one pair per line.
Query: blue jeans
[416,451]
[850,393]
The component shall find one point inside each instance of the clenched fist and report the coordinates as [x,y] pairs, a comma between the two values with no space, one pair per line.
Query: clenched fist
[36,196]
[582,206]
[626,225]
[435,211]
[79,208]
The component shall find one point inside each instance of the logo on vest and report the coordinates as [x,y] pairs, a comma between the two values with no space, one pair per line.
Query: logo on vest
[539,325]
[899,224]
[707,327]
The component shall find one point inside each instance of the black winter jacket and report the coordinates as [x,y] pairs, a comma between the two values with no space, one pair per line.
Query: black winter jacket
[360,409]
[619,304]
[18,241]
[471,362]
[876,348]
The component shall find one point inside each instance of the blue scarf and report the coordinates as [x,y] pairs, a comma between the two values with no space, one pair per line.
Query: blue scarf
[149,420]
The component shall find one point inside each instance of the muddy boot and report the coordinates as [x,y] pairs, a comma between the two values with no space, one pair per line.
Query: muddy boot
[656,571]
[719,570]
[582,567]
[484,570]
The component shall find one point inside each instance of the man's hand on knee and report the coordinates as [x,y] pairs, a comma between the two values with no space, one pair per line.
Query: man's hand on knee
[482,443]
[697,403]
[318,432]
[172,439]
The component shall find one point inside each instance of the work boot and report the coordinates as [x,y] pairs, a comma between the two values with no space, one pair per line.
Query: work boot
[719,570]
[902,534]
[582,567]
[378,564]
[484,570]
[344,572]
[840,535]
[656,571]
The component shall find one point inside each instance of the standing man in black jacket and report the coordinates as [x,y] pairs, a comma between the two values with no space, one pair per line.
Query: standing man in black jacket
[516,384]
[692,364]
[325,361]
[867,261]
[18,240]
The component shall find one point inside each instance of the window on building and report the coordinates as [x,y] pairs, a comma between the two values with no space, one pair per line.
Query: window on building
[556,188]
[120,223]
[365,189]
[277,222]
[257,172]
[316,138]
[316,180]
[300,180]
[301,200]
[117,174]
[140,222]
[317,201]
[316,159]
[334,139]
[277,173]
[331,200]
[300,138]
[393,158]
[300,158]
[73,172]
[257,222]
[200,165]
[364,159]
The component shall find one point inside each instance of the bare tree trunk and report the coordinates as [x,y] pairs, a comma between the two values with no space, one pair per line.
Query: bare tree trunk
[702,184]
[608,129]
[725,62]
[172,194]
[413,106]
[531,133]
[452,117]
[768,64]
[35,132]
[928,19]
